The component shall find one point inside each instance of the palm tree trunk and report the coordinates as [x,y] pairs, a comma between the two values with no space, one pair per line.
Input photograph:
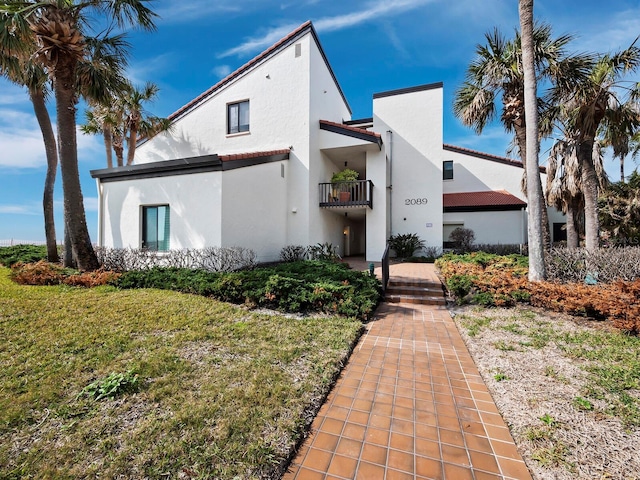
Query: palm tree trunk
[64,87]
[108,143]
[131,143]
[589,181]
[573,240]
[118,148]
[537,270]
[521,138]
[49,138]
[621,168]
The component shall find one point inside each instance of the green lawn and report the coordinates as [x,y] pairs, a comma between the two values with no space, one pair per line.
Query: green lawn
[223,392]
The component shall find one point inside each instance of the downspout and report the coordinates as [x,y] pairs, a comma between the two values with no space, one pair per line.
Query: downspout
[100,213]
[390,186]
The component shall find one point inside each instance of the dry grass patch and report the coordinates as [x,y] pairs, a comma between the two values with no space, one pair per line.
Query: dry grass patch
[568,390]
[221,392]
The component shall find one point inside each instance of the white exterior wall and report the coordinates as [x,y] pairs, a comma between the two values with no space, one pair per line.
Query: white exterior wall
[194,205]
[415,150]
[473,174]
[325,103]
[493,228]
[278,94]
[254,206]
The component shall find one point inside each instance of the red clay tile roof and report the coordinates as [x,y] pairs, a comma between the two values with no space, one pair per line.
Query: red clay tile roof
[245,156]
[350,128]
[487,156]
[492,198]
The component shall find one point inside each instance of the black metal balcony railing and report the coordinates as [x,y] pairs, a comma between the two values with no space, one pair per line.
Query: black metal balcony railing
[346,194]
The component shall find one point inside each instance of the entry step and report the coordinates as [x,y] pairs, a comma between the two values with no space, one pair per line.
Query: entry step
[421,300]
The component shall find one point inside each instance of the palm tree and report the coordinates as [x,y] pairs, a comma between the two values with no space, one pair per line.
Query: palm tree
[564,184]
[497,71]
[20,69]
[532,167]
[138,121]
[621,133]
[59,26]
[122,120]
[589,103]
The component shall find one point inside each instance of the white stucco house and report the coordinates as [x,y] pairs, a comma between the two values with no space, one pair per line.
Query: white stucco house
[249,162]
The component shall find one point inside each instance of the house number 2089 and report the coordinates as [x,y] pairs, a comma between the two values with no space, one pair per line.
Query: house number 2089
[416,201]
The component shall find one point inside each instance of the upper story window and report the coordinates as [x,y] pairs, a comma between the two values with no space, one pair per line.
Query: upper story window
[447,170]
[238,117]
[155,228]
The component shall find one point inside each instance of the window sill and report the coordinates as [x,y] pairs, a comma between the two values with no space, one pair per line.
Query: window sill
[239,134]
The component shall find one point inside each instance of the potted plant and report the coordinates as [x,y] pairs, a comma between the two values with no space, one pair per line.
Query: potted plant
[343,181]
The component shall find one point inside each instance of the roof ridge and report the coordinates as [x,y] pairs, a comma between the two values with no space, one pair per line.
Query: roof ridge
[240,70]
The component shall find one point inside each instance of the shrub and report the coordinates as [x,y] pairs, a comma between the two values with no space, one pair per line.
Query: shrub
[484,298]
[460,286]
[323,251]
[462,238]
[44,273]
[405,244]
[502,281]
[303,286]
[293,253]
[39,273]
[610,264]
[214,259]
[22,253]
[499,249]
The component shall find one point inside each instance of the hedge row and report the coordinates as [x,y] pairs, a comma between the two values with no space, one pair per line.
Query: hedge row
[502,281]
[302,286]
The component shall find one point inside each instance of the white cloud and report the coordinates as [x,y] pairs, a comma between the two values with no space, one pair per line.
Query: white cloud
[327,24]
[30,209]
[91,204]
[373,10]
[608,35]
[221,71]
[141,72]
[22,144]
[179,11]
[12,94]
[259,43]
[21,148]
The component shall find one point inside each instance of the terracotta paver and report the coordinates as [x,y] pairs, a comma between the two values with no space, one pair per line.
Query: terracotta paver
[410,403]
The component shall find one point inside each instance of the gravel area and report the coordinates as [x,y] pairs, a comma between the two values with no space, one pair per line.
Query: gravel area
[539,388]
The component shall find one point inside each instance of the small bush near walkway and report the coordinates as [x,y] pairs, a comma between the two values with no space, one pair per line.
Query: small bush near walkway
[301,286]
[494,280]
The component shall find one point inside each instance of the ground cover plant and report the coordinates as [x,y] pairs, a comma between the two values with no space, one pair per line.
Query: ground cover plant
[299,286]
[494,280]
[568,389]
[189,387]
[22,253]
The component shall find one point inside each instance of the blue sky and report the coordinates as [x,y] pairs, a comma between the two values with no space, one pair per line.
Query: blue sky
[372,45]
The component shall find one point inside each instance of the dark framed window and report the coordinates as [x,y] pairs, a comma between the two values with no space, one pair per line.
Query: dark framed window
[156,227]
[447,170]
[238,117]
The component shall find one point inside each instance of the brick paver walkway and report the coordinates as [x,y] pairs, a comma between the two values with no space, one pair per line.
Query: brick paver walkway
[410,404]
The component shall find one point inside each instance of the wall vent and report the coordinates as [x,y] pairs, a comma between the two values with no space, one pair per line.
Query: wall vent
[298,50]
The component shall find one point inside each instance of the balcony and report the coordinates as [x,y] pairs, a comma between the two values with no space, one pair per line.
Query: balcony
[346,194]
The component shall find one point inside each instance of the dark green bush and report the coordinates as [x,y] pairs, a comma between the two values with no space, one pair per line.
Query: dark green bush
[405,244]
[303,286]
[484,298]
[22,253]
[460,285]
